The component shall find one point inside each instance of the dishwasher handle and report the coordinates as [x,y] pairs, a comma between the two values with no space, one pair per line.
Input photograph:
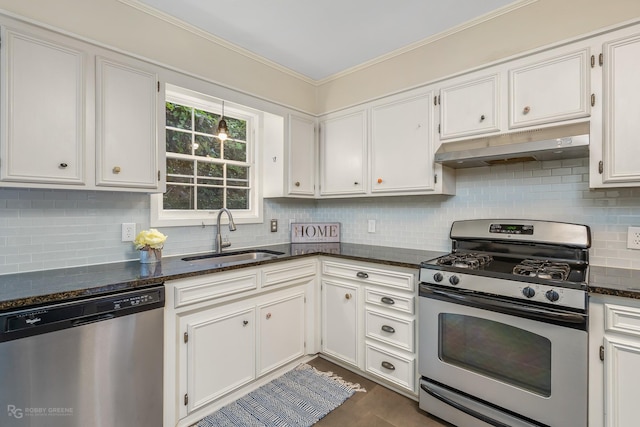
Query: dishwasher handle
[93,319]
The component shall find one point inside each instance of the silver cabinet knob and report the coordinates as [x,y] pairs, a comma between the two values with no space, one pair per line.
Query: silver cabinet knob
[116,169]
[526,110]
[63,165]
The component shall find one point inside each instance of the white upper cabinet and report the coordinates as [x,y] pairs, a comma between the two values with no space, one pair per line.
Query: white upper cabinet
[402,145]
[551,90]
[470,107]
[43,109]
[615,129]
[77,116]
[126,125]
[343,154]
[302,156]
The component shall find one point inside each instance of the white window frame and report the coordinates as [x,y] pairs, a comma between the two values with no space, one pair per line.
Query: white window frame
[180,217]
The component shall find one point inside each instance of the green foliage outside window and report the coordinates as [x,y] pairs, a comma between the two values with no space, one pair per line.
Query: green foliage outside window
[203,172]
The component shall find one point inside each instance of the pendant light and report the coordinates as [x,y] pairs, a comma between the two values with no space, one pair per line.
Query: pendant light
[223,130]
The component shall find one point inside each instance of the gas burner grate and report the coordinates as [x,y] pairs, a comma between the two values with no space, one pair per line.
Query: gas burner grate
[543,269]
[472,261]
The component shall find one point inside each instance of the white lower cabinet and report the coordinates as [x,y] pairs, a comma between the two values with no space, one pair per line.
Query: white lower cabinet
[281,332]
[220,353]
[340,325]
[614,336]
[230,330]
[377,333]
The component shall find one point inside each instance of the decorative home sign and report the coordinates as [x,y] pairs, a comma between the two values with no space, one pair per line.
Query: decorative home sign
[325,232]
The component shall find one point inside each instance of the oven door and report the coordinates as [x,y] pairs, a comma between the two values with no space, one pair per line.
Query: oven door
[488,359]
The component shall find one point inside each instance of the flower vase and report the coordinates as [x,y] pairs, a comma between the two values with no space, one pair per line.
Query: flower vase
[150,256]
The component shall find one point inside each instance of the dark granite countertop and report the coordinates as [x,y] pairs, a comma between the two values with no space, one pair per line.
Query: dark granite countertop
[44,287]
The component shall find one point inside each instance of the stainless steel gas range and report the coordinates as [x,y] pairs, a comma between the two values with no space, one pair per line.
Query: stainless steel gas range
[503,325]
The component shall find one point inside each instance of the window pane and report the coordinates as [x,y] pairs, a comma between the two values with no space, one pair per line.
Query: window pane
[205,122]
[237,128]
[178,142]
[208,146]
[178,116]
[179,167]
[234,150]
[210,170]
[237,199]
[238,176]
[178,197]
[472,343]
[209,198]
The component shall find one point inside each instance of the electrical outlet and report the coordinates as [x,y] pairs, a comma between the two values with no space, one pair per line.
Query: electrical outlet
[633,238]
[371,226]
[274,225]
[128,231]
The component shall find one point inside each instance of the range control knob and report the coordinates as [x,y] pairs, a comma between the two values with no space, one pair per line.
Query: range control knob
[454,280]
[552,295]
[528,292]
[438,277]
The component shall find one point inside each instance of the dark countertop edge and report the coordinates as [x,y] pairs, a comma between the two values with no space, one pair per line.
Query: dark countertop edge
[133,275]
[173,268]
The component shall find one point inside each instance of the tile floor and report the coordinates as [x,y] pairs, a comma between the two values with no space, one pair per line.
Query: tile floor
[378,407]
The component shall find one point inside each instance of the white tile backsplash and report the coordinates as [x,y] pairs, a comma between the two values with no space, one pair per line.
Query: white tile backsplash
[44,229]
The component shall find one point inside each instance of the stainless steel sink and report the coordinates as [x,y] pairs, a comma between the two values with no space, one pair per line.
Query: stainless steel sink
[230,258]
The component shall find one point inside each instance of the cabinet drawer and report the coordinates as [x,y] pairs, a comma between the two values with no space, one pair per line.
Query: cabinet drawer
[392,367]
[390,330]
[622,319]
[369,275]
[389,300]
[198,289]
[288,273]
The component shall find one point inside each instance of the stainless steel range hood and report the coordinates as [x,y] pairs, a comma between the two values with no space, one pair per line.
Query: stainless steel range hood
[560,142]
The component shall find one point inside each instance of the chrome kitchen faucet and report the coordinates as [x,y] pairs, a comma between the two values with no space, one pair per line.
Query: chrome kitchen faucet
[232,227]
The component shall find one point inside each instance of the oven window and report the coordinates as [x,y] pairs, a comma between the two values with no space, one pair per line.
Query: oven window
[496,350]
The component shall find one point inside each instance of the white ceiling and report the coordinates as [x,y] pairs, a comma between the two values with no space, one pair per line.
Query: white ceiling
[320,39]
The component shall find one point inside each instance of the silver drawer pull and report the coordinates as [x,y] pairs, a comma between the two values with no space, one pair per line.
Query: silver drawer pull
[387,300]
[362,275]
[388,328]
[388,366]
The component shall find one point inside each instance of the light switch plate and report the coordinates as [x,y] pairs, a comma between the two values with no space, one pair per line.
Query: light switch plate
[371,226]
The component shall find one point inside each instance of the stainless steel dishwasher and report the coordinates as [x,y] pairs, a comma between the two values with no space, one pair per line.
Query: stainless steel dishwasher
[91,362]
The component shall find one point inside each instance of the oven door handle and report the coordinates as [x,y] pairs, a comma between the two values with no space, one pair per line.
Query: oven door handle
[458,406]
[486,303]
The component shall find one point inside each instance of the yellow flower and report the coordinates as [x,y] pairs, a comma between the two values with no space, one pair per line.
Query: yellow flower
[150,239]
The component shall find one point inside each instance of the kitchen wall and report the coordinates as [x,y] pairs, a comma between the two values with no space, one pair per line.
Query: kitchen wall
[53,229]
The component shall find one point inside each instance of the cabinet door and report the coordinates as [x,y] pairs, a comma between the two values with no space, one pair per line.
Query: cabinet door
[220,353]
[470,108]
[302,158]
[343,154]
[549,91]
[621,110]
[621,379]
[401,146]
[340,322]
[281,336]
[126,126]
[43,109]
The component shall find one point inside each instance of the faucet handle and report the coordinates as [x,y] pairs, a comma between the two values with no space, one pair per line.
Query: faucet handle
[225,242]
